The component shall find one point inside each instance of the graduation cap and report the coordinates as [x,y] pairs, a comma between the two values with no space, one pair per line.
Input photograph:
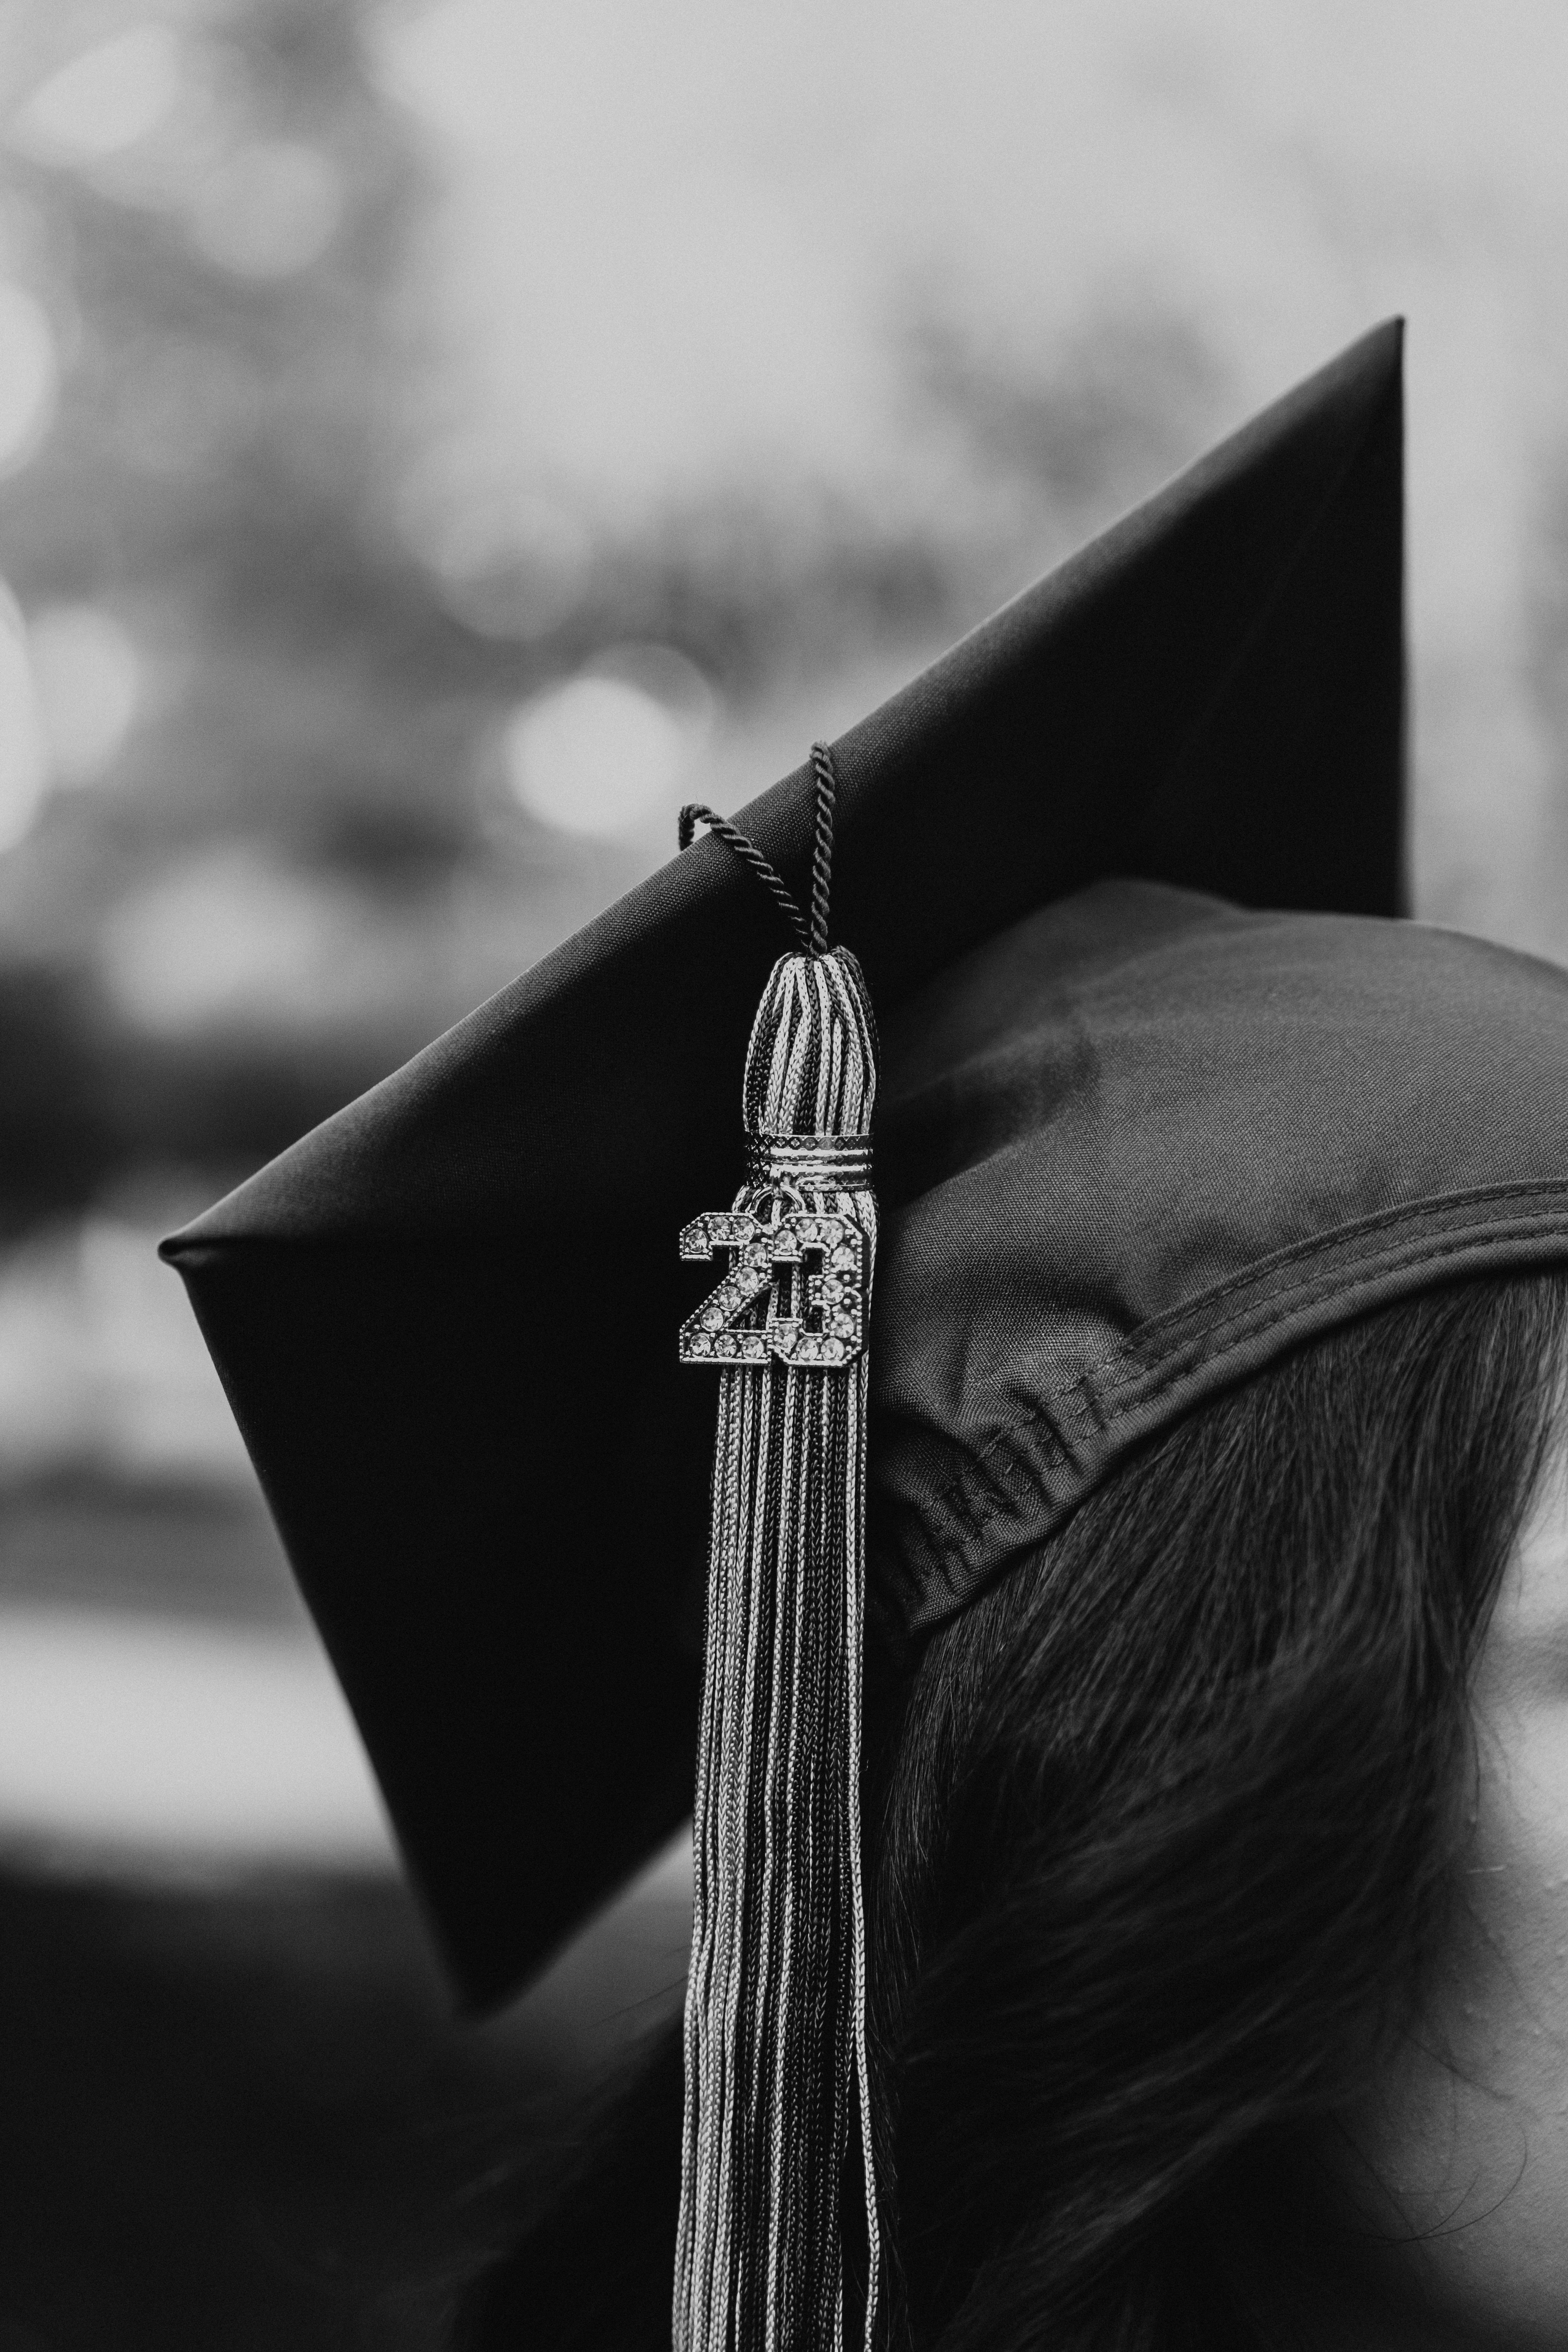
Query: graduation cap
[1157,1101]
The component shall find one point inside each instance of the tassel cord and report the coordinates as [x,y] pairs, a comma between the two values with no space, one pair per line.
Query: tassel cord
[811,937]
[777,2077]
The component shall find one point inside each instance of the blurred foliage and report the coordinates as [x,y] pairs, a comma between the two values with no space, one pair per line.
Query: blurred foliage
[299,863]
[213,477]
[1007,459]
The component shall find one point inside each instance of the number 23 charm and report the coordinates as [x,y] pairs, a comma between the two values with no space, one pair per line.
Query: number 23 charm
[815,1261]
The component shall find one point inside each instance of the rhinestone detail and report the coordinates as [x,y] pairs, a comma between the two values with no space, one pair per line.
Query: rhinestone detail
[828,1331]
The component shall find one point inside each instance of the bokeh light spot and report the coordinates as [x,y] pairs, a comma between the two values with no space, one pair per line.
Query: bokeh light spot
[604,752]
[89,682]
[270,210]
[105,99]
[225,937]
[506,565]
[30,375]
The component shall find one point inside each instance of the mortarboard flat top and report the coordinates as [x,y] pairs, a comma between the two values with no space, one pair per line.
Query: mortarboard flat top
[446,1319]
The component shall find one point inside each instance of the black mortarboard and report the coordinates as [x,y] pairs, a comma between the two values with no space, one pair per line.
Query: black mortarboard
[1133,1140]
[445,1318]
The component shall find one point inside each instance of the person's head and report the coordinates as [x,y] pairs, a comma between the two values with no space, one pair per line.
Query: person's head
[1218,1861]
[1221,1877]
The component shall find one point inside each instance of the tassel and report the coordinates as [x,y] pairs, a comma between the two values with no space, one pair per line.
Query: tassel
[775,2008]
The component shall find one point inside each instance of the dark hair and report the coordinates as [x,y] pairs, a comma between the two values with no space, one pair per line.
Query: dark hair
[1162,1830]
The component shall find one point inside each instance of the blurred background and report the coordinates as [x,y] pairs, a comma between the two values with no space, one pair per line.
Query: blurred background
[435,441]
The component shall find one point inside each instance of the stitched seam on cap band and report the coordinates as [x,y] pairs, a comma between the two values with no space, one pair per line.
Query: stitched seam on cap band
[950,1559]
[1552,1189]
[1281,1305]
[957,1498]
[1383,1260]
